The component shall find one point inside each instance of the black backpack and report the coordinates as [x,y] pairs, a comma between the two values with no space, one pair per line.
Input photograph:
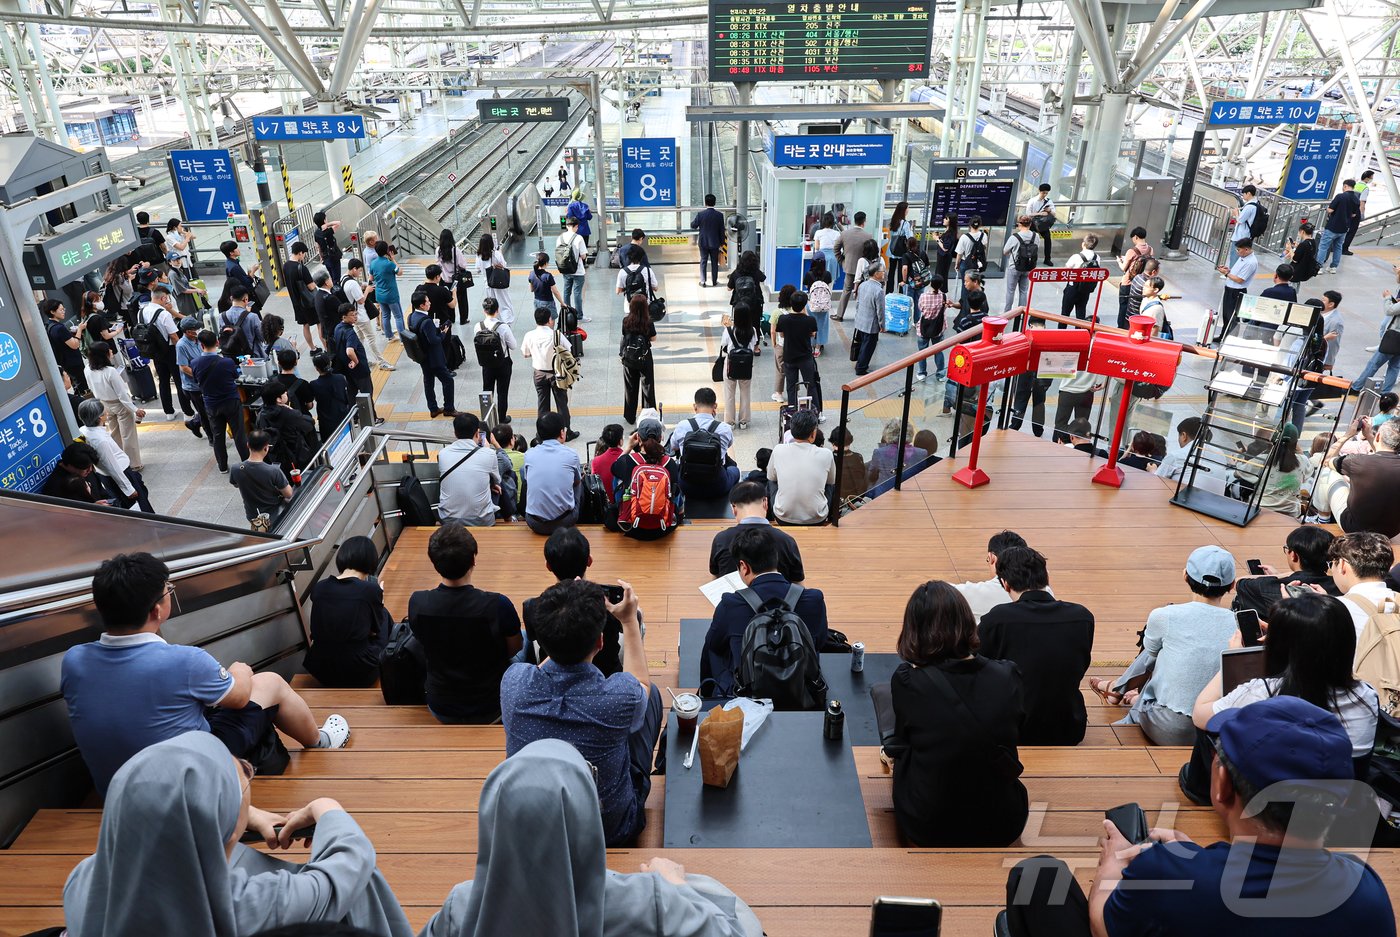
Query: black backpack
[338,292]
[403,668]
[702,452]
[488,345]
[778,660]
[740,360]
[1025,253]
[455,352]
[1305,265]
[899,245]
[920,273]
[636,350]
[147,336]
[1260,222]
[635,283]
[746,290]
[413,502]
[233,339]
[979,250]
[594,503]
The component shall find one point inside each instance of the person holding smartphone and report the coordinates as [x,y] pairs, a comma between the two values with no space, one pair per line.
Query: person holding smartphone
[469,474]
[568,555]
[1180,652]
[1305,552]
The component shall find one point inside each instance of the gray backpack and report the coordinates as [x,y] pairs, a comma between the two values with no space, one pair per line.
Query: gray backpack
[778,660]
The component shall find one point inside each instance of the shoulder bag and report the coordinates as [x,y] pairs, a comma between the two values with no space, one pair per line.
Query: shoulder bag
[1390,338]
[1001,761]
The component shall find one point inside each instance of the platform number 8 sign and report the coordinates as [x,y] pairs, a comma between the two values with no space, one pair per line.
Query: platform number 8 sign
[649,172]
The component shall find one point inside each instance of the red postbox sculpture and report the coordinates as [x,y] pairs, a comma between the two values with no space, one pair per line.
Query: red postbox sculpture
[999,354]
[1135,358]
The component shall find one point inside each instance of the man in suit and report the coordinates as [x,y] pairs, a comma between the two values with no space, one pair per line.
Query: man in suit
[849,248]
[710,224]
[756,550]
[750,503]
[1049,640]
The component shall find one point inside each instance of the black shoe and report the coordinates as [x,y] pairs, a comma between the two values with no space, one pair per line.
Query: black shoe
[1347,254]
[571,435]
[1188,794]
[193,427]
[434,414]
[223,470]
[506,418]
[449,412]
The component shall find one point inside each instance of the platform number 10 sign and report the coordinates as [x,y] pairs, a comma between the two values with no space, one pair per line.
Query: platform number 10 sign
[649,172]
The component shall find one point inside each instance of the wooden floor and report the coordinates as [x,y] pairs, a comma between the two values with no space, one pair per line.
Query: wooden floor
[414,784]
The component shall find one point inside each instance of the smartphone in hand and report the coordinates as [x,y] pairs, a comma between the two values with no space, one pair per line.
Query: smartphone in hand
[1256,567]
[1248,621]
[1131,822]
[613,593]
[905,917]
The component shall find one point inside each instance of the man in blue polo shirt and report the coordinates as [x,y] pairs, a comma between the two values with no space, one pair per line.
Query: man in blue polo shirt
[1273,879]
[130,689]
[612,721]
[553,477]
[216,376]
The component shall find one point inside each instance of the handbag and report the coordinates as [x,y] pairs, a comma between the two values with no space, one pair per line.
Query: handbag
[1390,339]
[497,278]
[657,308]
[261,293]
[717,369]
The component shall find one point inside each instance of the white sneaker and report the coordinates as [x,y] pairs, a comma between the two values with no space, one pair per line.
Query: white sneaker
[335,732]
[778,398]
[386,366]
[821,417]
[743,424]
[1373,348]
[920,377]
[171,417]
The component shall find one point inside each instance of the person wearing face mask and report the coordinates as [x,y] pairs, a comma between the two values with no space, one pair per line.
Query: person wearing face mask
[169,858]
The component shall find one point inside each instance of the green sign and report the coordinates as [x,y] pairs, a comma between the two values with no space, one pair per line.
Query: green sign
[522,110]
[89,242]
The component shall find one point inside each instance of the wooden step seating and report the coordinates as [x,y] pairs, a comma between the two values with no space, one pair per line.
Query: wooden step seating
[414,784]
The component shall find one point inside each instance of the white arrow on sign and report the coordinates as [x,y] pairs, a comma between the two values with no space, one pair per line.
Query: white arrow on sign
[263,129]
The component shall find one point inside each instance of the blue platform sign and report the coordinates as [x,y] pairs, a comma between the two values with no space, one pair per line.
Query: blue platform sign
[649,172]
[206,184]
[871,149]
[30,444]
[1312,166]
[1250,113]
[285,129]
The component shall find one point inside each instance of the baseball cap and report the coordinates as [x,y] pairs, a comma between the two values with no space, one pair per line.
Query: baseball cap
[650,413]
[173,255]
[190,324]
[1284,739]
[650,429]
[1211,566]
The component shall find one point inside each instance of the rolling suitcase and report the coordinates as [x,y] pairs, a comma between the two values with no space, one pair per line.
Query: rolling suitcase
[898,311]
[141,382]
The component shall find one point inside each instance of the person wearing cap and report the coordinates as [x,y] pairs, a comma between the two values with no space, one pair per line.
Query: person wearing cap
[187,351]
[158,313]
[1272,878]
[647,446]
[576,244]
[1180,652]
[579,212]
[1049,640]
[180,286]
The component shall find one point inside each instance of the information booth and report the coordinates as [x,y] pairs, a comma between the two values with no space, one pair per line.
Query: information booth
[807,176]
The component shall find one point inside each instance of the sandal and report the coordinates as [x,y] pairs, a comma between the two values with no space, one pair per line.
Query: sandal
[1103,688]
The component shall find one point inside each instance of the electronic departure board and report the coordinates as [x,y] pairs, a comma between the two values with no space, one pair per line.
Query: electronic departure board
[522,110]
[768,40]
[974,187]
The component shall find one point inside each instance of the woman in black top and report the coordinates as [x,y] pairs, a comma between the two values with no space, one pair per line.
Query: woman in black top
[745,283]
[332,393]
[957,722]
[349,625]
[638,366]
[946,246]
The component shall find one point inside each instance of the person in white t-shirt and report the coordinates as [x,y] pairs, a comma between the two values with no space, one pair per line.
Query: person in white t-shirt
[573,282]
[983,596]
[802,473]
[1175,460]
[352,285]
[1075,301]
[1358,563]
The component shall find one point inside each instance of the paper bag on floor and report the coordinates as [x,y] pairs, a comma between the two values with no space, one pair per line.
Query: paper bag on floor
[721,736]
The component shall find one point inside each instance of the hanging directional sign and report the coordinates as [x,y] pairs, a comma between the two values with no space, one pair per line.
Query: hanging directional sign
[309,127]
[522,110]
[1312,164]
[206,185]
[649,172]
[1248,113]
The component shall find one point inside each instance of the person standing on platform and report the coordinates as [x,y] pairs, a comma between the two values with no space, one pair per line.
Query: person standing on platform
[945,247]
[186,351]
[571,257]
[349,353]
[1341,211]
[540,345]
[824,242]
[302,292]
[1018,260]
[217,377]
[327,244]
[638,364]
[817,284]
[740,337]
[1133,262]
[454,272]
[850,248]
[900,237]
[355,293]
[579,211]
[180,288]
[1302,254]
[494,342]
[798,329]
[385,274]
[563,180]
[109,387]
[1042,212]
[870,317]
[542,284]
[442,302]
[434,363]
[1237,280]
[1362,189]
[971,251]
[1245,218]
[710,223]
[488,256]
[1075,301]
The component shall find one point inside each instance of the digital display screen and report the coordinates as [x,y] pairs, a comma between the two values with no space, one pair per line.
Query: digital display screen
[989,198]
[781,41]
[522,110]
[92,244]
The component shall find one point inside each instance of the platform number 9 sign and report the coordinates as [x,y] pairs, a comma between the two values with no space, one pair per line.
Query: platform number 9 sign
[1308,177]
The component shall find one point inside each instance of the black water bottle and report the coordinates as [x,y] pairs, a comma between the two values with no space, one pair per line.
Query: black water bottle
[835,722]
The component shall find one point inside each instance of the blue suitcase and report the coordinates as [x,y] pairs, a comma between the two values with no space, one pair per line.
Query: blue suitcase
[898,311]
